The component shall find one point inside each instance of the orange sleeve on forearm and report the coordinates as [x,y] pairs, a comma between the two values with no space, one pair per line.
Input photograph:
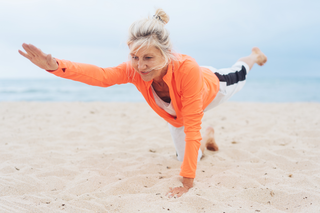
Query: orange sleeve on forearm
[91,74]
[192,115]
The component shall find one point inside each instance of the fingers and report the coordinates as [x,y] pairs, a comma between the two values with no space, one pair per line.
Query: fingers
[176,192]
[32,50]
[35,50]
[24,54]
[26,47]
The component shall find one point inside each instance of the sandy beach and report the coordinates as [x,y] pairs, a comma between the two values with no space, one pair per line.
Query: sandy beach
[119,157]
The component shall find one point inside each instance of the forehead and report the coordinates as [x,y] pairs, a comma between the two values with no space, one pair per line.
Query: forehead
[150,50]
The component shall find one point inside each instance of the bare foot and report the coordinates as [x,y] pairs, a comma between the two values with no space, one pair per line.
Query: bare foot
[210,141]
[261,57]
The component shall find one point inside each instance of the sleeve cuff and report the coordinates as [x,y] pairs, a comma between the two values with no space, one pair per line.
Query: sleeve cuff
[59,68]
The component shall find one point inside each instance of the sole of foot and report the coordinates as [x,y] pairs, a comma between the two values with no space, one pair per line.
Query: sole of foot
[262,58]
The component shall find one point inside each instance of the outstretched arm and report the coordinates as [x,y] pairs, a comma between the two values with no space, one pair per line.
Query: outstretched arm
[85,73]
[39,58]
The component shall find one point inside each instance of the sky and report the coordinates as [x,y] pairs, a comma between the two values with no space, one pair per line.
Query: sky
[214,32]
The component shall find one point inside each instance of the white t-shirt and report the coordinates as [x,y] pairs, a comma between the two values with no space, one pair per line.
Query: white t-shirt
[163,105]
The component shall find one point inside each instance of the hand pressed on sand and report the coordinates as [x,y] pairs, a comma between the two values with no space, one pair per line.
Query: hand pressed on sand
[179,191]
[207,142]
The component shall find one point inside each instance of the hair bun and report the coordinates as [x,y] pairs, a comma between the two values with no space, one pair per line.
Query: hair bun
[161,15]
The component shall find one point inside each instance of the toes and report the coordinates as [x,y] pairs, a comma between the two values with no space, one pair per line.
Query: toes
[210,129]
[210,132]
[254,49]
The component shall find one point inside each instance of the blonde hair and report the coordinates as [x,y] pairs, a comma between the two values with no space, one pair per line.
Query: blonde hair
[151,31]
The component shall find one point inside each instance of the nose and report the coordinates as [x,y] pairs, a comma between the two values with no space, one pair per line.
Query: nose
[141,65]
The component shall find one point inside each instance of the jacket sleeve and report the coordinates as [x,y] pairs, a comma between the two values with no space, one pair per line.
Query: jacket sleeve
[91,74]
[191,99]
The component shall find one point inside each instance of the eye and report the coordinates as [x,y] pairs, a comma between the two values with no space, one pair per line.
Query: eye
[135,57]
[148,58]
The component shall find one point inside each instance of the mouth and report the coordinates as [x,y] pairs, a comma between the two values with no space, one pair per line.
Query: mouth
[145,72]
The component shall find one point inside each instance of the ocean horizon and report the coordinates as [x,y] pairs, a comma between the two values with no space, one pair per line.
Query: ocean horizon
[257,89]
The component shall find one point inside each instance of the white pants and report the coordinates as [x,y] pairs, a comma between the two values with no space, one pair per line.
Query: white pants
[231,81]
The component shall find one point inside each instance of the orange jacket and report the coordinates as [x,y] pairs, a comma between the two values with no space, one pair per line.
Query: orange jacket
[191,89]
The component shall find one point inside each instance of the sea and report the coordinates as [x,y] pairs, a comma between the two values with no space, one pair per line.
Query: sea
[257,89]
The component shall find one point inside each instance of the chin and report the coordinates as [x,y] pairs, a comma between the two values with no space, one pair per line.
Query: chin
[146,77]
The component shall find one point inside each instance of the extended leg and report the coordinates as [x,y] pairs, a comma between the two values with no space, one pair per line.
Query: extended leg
[231,81]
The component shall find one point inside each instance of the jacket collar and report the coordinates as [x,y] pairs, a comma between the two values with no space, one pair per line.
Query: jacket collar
[167,77]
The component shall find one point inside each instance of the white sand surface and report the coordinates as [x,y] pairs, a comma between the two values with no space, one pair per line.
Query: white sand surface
[119,157]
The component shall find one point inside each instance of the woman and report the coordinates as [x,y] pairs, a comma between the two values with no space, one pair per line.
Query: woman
[174,85]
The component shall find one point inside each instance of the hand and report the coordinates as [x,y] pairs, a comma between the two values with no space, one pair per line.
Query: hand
[179,191]
[39,58]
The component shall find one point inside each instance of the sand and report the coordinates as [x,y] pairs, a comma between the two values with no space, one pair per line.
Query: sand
[119,157]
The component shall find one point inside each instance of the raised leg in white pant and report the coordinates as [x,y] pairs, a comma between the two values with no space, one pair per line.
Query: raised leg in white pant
[228,87]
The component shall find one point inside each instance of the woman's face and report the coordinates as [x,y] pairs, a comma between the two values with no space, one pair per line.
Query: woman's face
[149,63]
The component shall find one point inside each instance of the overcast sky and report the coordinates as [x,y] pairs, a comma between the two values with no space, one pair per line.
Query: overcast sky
[215,33]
